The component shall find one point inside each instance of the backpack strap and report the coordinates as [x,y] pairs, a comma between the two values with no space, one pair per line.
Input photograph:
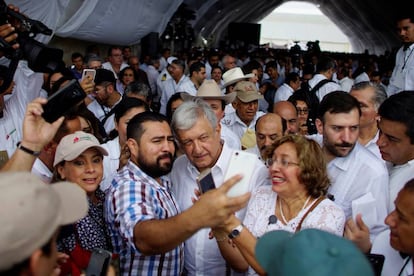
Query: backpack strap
[319,85]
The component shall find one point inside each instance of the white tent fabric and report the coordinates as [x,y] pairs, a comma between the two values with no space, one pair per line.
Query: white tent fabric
[122,22]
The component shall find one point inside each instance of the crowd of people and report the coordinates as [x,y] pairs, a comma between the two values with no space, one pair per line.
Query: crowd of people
[332,136]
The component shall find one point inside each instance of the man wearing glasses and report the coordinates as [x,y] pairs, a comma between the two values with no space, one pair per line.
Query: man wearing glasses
[115,61]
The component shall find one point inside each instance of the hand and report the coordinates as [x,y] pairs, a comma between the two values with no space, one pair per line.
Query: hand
[8,34]
[87,85]
[214,208]
[36,131]
[358,233]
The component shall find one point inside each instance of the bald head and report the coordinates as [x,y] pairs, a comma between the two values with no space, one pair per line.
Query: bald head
[268,129]
[288,112]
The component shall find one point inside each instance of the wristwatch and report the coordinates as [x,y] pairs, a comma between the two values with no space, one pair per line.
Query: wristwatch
[236,231]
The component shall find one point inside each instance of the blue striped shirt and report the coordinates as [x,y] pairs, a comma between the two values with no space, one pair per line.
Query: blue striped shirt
[134,197]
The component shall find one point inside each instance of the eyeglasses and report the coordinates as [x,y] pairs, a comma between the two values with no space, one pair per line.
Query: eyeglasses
[302,111]
[284,163]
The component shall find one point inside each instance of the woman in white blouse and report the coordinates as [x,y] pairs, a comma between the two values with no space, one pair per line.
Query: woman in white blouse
[296,200]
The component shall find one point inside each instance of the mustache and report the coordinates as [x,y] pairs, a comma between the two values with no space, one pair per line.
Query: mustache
[165,155]
[344,145]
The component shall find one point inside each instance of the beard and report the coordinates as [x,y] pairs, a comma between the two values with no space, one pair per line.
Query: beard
[156,169]
[333,148]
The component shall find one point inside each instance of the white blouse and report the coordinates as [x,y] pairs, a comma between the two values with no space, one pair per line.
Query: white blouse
[327,216]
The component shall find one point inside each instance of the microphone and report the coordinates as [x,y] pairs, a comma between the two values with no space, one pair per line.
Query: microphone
[272,219]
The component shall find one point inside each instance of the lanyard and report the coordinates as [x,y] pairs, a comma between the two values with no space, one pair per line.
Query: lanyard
[406,58]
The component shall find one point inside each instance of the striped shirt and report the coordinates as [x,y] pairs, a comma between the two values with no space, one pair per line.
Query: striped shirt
[134,197]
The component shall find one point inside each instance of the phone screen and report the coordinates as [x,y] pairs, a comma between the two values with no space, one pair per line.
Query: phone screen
[205,181]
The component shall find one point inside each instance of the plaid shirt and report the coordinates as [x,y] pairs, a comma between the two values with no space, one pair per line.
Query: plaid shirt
[134,197]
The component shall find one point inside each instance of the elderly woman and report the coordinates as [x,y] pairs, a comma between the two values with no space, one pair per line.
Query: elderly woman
[296,200]
[78,159]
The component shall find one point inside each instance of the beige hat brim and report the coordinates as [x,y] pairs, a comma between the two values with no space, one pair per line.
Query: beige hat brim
[77,150]
[228,98]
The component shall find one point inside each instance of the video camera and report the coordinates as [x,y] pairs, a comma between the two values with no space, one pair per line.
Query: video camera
[40,57]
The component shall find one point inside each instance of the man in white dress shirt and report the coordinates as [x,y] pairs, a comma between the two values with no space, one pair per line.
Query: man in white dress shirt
[178,83]
[370,96]
[359,179]
[402,77]
[325,68]
[115,61]
[197,130]
[396,140]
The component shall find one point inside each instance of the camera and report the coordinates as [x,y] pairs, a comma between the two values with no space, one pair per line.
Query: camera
[40,58]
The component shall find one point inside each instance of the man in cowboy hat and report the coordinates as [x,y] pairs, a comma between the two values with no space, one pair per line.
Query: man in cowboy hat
[210,92]
[243,120]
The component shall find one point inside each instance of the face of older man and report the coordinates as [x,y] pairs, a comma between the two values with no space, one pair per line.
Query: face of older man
[246,111]
[201,143]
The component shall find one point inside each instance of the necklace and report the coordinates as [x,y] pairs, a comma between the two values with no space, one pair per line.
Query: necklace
[281,209]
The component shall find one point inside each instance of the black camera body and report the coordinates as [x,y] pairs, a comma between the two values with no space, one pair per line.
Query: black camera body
[40,58]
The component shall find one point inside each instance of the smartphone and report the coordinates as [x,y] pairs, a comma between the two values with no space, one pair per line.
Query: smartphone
[60,102]
[205,181]
[243,163]
[377,262]
[89,72]
[98,263]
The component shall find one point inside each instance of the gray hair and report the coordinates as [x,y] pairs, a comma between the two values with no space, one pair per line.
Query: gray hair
[187,114]
[380,95]
[138,88]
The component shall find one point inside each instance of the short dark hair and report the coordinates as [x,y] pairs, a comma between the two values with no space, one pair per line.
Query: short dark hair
[400,108]
[76,55]
[325,63]
[337,102]
[292,77]
[271,64]
[196,67]
[409,186]
[113,48]
[126,104]
[135,128]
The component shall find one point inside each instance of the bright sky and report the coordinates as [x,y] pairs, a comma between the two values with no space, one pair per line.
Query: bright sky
[295,7]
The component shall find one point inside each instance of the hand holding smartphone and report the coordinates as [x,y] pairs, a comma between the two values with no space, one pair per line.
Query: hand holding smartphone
[205,181]
[60,102]
[88,72]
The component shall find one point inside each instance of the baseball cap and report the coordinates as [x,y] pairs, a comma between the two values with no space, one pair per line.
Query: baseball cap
[209,89]
[247,91]
[171,59]
[72,145]
[310,252]
[31,212]
[234,75]
[104,75]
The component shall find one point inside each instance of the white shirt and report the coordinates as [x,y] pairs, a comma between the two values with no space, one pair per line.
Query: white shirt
[399,175]
[325,89]
[202,255]
[230,137]
[402,79]
[100,112]
[373,147]
[233,122]
[171,87]
[41,170]
[161,80]
[356,176]
[393,261]
[346,84]
[283,93]
[110,162]
[327,216]
[28,86]
[108,66]
[152,75]
[363,77]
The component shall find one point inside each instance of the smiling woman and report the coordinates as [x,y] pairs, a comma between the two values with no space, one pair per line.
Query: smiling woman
[78,159]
